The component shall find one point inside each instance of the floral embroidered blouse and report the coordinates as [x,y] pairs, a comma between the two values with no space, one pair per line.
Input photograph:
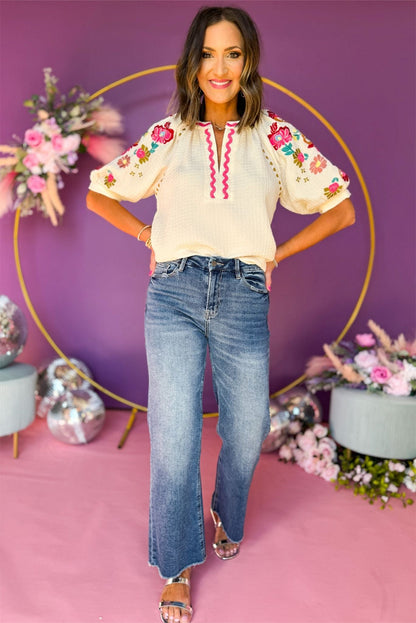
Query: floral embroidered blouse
[226,211]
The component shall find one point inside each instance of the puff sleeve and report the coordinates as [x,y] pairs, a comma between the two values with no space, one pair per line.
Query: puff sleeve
[310,183]
[136,173]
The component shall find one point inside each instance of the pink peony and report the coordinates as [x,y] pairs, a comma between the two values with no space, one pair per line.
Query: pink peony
[366,359]
[380,374]
[36,184]
[397,386]
[32,163]
[365,339]
[279,136]
[33,138]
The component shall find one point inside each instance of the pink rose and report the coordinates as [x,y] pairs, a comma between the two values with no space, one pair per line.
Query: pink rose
[140,153]
[307,441]
[367,359]
[326,450]
[36,184]
[380,374]
[330,472]
[365,339]
[31,162]
[333,187]
[398,386]
[33,138]
[320,431]
[310,465]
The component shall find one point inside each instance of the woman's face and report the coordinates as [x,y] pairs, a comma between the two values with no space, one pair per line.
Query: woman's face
[222,63]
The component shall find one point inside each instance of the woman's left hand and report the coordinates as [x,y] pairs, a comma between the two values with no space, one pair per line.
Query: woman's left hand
[270,266]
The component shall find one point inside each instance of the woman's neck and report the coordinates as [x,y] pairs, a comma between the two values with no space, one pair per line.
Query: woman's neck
[220,114]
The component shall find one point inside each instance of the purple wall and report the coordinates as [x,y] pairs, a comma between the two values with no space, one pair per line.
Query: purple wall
[353,61]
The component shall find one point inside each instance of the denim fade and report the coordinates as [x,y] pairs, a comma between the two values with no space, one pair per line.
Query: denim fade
[194,303]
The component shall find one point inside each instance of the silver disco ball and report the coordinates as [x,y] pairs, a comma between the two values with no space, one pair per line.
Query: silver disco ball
[13,331]
[279,423]
[296,404]
[56,378]
[77,416]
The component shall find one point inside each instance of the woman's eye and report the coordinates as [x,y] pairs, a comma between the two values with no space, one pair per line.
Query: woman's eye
[206,54]
[235,54]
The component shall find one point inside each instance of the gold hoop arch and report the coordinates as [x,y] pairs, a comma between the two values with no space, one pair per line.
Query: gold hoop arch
[357,306]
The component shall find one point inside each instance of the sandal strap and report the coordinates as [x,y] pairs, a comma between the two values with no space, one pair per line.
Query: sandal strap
[217,522]
[175,604]
[224,542]
[178,580]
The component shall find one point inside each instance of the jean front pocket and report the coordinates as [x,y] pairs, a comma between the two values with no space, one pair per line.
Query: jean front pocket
[165,269]
[254,278]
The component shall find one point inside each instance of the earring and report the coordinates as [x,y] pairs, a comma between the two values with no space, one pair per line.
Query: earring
[242,94]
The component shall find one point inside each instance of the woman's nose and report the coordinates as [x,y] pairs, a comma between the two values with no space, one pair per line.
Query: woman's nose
[220,68]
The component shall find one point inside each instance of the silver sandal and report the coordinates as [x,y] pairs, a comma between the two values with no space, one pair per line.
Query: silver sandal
[220,544]
[176,604]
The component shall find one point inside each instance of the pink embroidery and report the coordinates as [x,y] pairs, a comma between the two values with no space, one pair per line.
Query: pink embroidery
[211,163]
[226,161]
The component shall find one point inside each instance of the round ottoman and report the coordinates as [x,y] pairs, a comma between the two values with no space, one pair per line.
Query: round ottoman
[17,399]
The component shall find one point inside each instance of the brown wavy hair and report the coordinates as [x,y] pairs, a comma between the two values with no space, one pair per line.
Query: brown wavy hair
[187,99]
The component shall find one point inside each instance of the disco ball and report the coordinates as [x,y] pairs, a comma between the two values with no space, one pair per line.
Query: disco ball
[77,416]
[279,423]
[296,404]
[13,331]
[58,377]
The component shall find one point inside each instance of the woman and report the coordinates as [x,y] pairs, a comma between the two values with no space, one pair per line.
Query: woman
[217,168]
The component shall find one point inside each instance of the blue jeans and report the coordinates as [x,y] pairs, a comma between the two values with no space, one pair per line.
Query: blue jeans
[194,303]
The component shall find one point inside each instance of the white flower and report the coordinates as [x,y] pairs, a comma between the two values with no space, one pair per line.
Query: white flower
[410,483]
[392,488]
[409,371]
[396,467]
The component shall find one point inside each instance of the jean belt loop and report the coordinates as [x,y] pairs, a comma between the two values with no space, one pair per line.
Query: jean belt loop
[182,264]
[237,269]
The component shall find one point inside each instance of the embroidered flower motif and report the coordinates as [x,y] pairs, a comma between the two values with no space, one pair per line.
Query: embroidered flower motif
[318,164]
[162,133]
[299,158]
[333,189]
[124,161]
[279,136]
[143,154]
[344,176]
[109,180]
[274,116]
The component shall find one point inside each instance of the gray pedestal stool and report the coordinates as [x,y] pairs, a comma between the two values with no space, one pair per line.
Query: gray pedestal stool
[17,400]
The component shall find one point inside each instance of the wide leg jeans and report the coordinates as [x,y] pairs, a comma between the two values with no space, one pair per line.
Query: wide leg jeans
[193,304]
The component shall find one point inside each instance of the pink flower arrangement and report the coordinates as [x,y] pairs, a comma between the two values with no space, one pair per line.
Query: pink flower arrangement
[64,126]
[372,362]
[312,450]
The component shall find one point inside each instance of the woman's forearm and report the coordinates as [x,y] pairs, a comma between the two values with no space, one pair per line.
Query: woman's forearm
[113,212]
[325,225]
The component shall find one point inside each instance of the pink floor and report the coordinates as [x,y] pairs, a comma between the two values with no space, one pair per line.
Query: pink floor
[73,541]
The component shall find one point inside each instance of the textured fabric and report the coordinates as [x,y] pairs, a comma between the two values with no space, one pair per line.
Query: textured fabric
[226,210]
[192,304]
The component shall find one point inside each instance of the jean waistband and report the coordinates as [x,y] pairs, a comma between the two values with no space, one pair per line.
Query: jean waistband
[212,263]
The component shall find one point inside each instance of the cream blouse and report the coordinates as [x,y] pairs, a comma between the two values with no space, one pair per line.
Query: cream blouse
[227,210]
